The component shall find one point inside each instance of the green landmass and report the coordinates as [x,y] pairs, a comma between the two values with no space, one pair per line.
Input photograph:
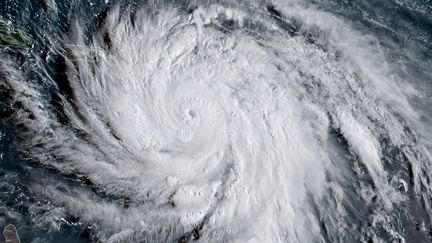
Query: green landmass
[13,37]
[11,234]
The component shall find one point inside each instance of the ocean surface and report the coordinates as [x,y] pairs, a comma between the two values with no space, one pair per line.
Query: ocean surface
[216,120]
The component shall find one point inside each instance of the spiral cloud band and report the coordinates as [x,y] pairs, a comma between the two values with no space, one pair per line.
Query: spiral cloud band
[216,121]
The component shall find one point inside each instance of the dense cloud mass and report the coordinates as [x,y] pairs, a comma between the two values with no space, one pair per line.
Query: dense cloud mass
[216,121]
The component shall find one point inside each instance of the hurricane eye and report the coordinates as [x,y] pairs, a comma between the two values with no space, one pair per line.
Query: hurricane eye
[192,113]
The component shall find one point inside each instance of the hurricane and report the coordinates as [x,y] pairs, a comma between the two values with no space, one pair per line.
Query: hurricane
[216,121]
